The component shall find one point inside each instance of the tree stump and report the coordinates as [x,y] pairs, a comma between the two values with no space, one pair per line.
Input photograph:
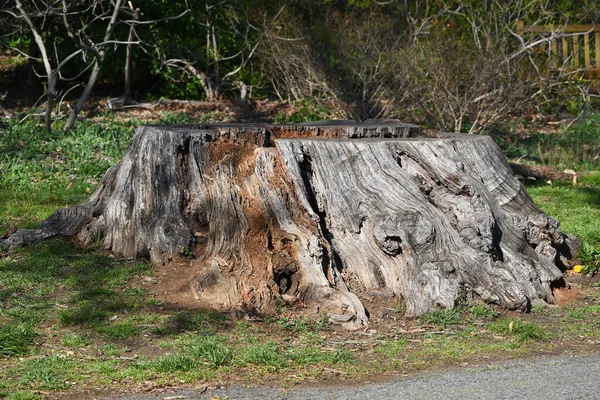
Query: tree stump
[330,215]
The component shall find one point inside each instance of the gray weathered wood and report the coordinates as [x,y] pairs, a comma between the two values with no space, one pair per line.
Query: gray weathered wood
[324,214]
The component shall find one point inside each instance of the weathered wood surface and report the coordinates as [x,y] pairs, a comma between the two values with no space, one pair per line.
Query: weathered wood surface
[324,214]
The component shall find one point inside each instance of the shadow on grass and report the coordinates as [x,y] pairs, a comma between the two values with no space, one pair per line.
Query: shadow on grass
[87,289]
[576,148]
[592,196]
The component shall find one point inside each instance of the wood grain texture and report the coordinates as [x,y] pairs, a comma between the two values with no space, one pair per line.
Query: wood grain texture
[324,215]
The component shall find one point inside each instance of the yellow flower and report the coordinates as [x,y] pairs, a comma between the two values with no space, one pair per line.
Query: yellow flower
[577,269]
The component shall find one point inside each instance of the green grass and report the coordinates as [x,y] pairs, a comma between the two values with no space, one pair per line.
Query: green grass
[520,330]
[61,168]
[23,396]
[459,315]
[578,210]
[45,373]
[172,363]
[211,350]
[576,207]
[15,339]
[119,330]
[576,148]
[482,311]
[582,313]
[75,340]
[393,348]
[267,354]
[303,324]
[448,316]
[307,111]
[437,350]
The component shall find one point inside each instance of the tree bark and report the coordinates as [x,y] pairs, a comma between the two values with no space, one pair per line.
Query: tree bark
[127,96]
[335,216]
[87,91]
[211,86]
[50,97]
[99,55]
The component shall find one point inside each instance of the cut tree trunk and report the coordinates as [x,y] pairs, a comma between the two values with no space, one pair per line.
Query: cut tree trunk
[333,216]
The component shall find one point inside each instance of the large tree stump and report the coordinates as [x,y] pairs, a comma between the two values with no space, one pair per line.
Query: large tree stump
[324,214]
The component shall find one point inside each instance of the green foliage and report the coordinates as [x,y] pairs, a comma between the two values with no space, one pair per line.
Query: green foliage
[226,23]
[60,168]
[172,118]
[482,311]
[267,354]
[589,256]
[306,112]
[447,316]
[187,253]
[24,396]
[576,148]
[211,350]
[16,339]
[172,363]
[45,373]
[75,340]
[392,348]
[303,324]
[520,330]
[121,330]
[576,207]
[351,44]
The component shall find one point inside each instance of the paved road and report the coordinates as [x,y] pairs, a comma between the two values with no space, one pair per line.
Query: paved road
[547,379]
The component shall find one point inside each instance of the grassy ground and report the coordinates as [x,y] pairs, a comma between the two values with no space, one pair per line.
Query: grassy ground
[578,210]
[79,321]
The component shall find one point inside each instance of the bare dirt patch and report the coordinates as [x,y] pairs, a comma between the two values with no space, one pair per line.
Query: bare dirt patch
[566,295]
[174,285]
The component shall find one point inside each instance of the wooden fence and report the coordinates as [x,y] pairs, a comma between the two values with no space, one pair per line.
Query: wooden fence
[576,47]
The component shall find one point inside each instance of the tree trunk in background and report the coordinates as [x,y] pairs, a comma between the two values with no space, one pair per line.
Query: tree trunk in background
[127,99]
[211,86]
[336,216]
[50,98]
[87,91]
